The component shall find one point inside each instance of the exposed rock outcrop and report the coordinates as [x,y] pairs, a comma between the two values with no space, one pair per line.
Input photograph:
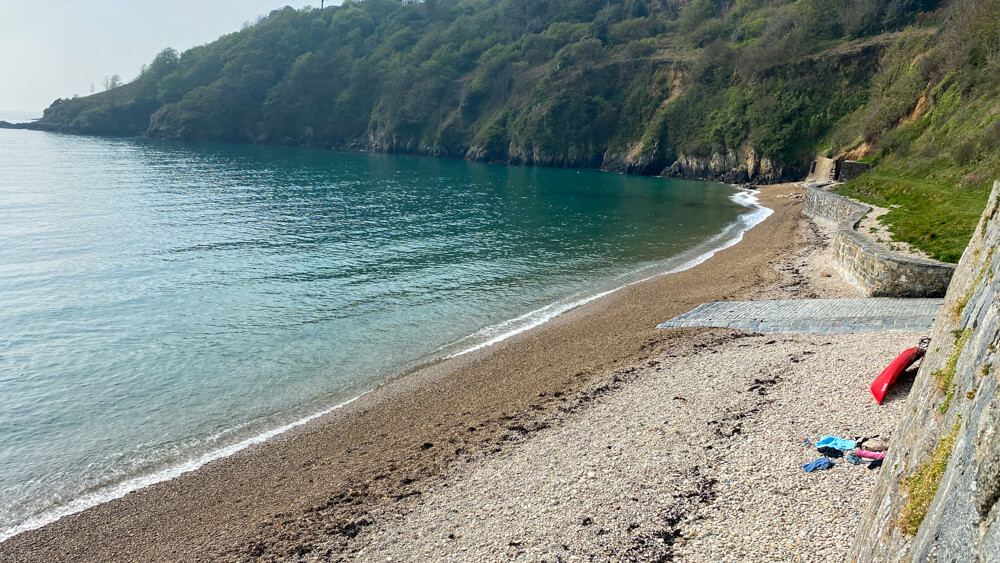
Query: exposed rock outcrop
[739,166]
[570,156]
[640,158]
[937,496]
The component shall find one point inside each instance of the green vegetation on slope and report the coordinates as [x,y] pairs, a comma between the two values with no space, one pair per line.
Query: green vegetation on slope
[931,129]
[629,85]
[709,88]
[945,377]
[933,214]
[923,484]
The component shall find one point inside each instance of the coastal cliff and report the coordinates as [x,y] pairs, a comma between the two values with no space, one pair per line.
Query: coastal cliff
[738,94]
[741,165]
[937,497]
[738,166]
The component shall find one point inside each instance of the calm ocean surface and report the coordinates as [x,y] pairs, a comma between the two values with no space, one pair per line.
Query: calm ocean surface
[162,304]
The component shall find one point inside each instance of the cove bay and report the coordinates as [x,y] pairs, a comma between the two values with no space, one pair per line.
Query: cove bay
[163,301]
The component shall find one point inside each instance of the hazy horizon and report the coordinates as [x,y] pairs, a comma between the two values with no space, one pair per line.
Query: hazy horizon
[57,51]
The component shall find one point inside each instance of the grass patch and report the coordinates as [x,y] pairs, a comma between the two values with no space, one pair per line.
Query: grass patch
[962,302]
[936,173]
[945,376]
[923,484]
[943,408]
[927,209]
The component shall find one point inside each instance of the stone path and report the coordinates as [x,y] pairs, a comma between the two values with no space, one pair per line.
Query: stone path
[817,316]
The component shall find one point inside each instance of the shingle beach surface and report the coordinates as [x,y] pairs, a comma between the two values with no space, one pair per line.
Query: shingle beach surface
[697,458]
[596,437]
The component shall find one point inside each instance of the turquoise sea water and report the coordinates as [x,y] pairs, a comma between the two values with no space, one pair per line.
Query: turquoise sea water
[162,304]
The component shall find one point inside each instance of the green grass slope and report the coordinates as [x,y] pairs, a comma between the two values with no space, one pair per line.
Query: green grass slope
[931,129]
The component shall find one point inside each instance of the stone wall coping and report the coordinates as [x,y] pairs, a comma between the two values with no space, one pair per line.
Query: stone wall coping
[889,256]
[848,228]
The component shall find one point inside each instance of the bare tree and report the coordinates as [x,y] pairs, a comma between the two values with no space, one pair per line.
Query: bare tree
[112,81]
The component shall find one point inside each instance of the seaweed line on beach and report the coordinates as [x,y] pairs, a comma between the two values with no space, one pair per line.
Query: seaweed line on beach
[331,529]
[342,488]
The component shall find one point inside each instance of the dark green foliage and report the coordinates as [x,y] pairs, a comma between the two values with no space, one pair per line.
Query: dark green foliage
[991,136]
[558,82]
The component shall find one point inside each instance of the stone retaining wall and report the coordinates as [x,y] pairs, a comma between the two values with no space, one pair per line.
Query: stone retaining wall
[949,438]
[851,169]
[821,204]
[874,271]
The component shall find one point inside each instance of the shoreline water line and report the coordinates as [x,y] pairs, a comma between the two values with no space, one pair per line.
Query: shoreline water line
[142,481]
[551,311]
[729,237]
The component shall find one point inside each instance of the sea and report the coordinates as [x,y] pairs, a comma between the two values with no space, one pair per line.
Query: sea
[166,304]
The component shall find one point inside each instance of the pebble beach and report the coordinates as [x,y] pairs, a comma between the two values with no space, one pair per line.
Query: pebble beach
[664,468]
[595,437]
[698,458]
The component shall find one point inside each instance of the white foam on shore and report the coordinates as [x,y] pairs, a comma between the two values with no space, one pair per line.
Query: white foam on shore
[143,481]
[727,238]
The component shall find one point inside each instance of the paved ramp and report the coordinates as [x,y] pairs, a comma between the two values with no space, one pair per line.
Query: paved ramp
[819,316]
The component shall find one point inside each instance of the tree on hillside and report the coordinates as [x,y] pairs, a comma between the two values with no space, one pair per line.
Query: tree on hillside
[112,81]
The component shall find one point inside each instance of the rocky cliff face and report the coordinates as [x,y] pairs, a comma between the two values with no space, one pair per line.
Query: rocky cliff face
[937,496]
[736,166]
[739,166]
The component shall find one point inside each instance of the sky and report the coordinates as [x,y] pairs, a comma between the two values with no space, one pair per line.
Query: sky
[58,48]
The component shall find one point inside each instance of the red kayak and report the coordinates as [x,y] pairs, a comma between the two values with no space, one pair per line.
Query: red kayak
[898,366]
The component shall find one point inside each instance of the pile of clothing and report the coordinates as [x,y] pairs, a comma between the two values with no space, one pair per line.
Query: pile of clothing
[869,450]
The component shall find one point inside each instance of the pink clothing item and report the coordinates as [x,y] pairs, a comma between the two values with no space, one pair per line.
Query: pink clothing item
[870,455]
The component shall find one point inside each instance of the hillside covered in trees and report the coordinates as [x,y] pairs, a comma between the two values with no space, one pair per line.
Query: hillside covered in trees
[931,129]
[727,89]
[629,84]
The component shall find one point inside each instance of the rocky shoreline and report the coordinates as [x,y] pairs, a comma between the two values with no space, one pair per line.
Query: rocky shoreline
[742,166]
[30,126]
